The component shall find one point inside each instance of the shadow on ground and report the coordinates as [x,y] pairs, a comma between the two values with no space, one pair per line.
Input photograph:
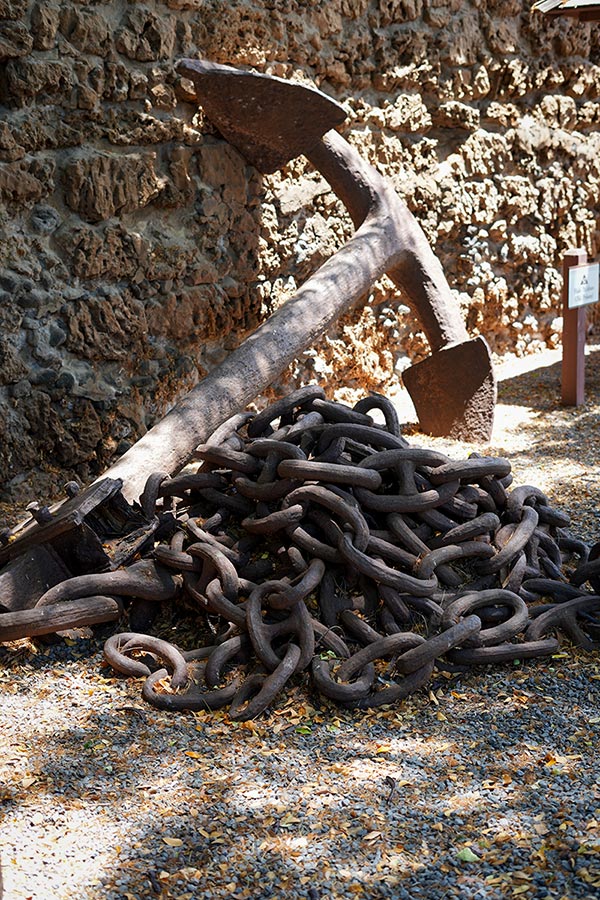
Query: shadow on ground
[540,388]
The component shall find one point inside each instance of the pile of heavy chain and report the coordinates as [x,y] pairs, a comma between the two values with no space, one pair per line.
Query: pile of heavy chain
[315,540]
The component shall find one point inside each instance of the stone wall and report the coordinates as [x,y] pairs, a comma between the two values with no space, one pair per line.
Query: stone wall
[136,247]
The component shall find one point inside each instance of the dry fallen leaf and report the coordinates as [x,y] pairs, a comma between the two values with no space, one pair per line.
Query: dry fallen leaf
[289,819]
[373,836]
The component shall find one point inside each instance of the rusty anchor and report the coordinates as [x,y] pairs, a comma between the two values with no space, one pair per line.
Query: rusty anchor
[271,121]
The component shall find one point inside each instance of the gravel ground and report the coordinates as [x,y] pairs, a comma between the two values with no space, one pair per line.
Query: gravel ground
[485,785]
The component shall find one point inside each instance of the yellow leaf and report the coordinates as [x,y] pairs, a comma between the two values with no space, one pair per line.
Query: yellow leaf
[193,754]
[173,842]
[383,748]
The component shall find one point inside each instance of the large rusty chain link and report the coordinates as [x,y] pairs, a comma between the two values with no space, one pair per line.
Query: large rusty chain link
[313,539]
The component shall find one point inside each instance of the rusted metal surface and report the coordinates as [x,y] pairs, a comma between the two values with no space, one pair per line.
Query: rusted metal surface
[388,239]
[95,529]
[237,102]
[58,618]
[88,536]
[267,126]
[367,587]
[467,367]
[25,579]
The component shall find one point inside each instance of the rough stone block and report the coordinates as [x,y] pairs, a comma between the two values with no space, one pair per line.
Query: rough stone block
[24,182]
[109,252]
[90,32]
[12,367]
[457,115]
[146,36]
[30,78]
[99,186]
[12,9]
[9,148]
[15,40]
[44,25]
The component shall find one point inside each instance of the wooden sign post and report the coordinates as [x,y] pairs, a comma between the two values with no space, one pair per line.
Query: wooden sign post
[580,288]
